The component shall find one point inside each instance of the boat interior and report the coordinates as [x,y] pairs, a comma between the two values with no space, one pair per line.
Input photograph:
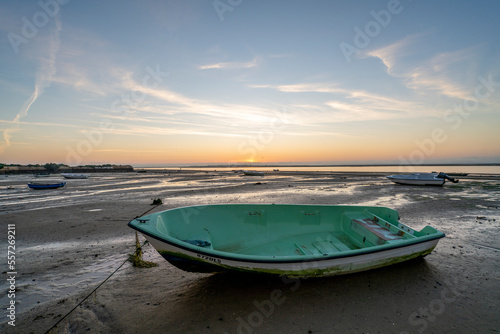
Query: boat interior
[285,230]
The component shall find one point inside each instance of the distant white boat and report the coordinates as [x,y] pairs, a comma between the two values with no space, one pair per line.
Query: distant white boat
[252,173]
[421,179]
[75,176]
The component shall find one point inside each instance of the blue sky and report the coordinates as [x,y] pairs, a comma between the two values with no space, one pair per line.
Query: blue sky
[181,82]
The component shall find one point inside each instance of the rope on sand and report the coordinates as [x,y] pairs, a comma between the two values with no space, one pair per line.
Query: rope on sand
[136,258]
[107,278]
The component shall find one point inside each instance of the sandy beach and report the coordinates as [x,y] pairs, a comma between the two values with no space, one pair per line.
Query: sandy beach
[70,240]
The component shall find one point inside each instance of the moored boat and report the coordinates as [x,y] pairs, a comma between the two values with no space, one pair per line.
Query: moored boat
[457,174]
[293,240]
[36,185]
[75,176]
[252,172]
[421,179]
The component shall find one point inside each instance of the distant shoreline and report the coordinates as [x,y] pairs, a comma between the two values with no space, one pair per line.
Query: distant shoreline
[316,165]
[382,168]
[43,170]
[34,169]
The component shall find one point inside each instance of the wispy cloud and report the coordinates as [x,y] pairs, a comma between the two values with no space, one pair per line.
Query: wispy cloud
[390,55]
[230,65]
[349,105]
[445,73]
[304,88]
[43,79]
[65,125]
[147,131]
[88,64]
[170,102]
[436,73]
[349,112]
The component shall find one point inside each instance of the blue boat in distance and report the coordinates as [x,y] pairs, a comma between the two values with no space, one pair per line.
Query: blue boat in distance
[37,185]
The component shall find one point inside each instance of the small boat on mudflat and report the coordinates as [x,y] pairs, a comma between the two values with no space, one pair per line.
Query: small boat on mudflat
[252,172]
[421,179]
[75,176]
[38,186]
[457,174]
[292,240]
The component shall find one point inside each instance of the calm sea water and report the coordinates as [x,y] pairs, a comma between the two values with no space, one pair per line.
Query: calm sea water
[383,169]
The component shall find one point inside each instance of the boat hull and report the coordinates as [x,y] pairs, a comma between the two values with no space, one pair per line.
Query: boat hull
[320,267]
[252,173]
[415,182]
[291,240]
[75,176]
[418,179]
[46,186]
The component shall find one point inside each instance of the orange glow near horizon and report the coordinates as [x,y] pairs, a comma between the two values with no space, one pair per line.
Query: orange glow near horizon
[214,150]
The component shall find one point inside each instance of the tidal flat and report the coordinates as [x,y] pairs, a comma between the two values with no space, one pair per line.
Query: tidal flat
[72,239]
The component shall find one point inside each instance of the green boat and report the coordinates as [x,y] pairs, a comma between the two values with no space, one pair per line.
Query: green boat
[291,240]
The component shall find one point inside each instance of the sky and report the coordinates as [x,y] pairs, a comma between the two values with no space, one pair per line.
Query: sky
[239,81]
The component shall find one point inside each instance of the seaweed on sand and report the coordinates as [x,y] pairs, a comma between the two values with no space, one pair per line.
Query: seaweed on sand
[136,258]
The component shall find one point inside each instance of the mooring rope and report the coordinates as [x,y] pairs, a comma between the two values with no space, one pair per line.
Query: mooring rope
[154,207]
[107,278]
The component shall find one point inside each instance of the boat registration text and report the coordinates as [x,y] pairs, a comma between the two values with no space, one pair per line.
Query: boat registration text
[209,258]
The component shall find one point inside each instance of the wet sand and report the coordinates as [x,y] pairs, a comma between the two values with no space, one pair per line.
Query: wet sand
[69,240]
